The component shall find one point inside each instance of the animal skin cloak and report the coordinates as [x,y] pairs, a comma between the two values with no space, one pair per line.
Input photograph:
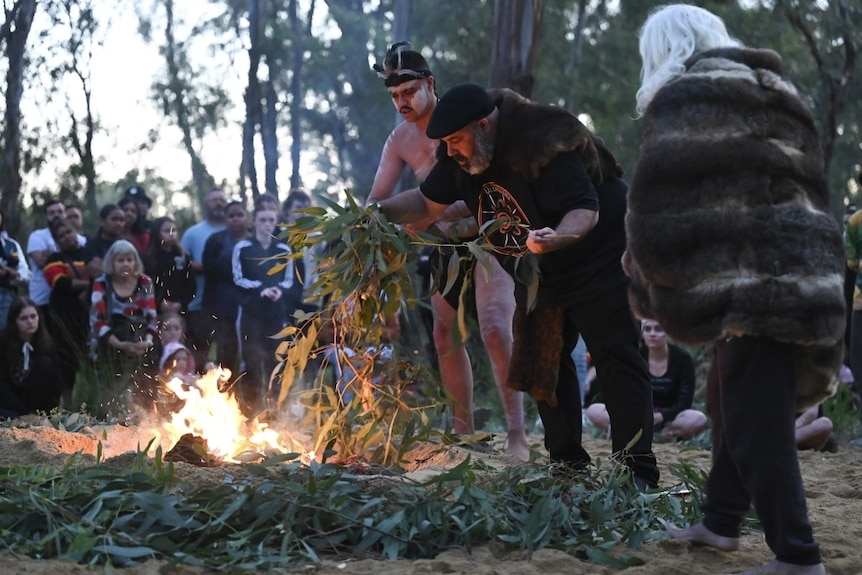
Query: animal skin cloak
[529,136]
[728,220]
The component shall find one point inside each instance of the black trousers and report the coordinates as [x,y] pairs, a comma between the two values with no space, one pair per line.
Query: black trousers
[258,353]
[611,335]
[752,403]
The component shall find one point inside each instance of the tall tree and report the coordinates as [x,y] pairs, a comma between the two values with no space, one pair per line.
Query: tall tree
[186,99]
[78,19]
[834,53]
[252,100]
[14,32]
[517,24]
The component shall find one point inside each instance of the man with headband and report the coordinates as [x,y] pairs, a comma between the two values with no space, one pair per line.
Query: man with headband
[410,83]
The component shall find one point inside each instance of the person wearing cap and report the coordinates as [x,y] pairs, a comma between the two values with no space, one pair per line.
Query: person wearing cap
[143,202]
[411,85]
[556,197]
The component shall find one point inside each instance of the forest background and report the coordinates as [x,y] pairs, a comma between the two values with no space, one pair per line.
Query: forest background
[313,114]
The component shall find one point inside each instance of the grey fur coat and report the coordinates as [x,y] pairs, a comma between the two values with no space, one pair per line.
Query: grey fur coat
[728,219]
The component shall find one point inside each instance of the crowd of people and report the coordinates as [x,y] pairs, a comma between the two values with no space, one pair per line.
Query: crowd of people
[705,246]
[130,298]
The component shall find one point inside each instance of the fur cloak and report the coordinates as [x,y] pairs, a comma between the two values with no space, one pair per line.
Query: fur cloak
[529,136]
[728,222]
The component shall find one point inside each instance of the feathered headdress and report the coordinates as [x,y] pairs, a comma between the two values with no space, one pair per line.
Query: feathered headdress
[402,65]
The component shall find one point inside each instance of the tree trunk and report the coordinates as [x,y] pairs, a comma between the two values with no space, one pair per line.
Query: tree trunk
[247,168]
[201,179]
[296,91]
[268,132]
[516,37]
[573,66]
[834,89]
[14,32]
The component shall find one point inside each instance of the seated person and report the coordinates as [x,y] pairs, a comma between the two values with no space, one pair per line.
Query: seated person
[671,374]
[813,430]
[30,375]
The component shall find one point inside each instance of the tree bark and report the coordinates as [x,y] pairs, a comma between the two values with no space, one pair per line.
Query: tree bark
[201,179]
[516,37]
[269,133]
[835,89]
[14,32]
[247,168]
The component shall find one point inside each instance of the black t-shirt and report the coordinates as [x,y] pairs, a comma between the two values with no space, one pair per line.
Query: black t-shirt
[578,272]
[673,391]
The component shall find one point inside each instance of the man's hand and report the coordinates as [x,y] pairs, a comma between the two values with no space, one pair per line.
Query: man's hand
[542,241]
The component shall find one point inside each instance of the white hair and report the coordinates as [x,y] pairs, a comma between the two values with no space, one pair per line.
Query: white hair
[670,36]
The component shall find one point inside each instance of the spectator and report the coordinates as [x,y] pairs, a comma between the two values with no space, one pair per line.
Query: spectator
[264,312]
[13,269]
[29,373]
[112,222]
[144,203]
[199,325]
[221,295]
[66,273]
[169,266]
[671,375]
[133,230]
[40,245]
[75,217]
[123,321]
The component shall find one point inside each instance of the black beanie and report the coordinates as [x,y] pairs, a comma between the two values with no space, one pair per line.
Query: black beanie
[458,107]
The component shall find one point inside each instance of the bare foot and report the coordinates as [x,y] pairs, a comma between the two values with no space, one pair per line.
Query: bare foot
[516,444]
[700,535]
[776,567]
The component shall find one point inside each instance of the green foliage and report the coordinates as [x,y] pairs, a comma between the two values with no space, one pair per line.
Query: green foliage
[843,410]
[285,513]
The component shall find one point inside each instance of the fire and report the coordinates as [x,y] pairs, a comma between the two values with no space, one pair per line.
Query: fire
[216,417]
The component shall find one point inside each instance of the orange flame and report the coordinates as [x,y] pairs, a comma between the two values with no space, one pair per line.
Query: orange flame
[216,417]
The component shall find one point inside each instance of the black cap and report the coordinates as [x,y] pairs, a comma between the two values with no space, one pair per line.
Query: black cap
[458,107]
[138,193]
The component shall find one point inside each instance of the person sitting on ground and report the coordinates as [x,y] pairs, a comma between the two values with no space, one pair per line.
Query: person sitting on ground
[814,430]
[671,374]
[30,379]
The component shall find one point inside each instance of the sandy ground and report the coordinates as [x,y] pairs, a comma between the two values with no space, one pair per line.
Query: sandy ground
[833,483]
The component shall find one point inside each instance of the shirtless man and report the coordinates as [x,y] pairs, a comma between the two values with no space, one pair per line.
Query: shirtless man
[410,82]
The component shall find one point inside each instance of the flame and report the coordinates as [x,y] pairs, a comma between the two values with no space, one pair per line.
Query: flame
[216,416]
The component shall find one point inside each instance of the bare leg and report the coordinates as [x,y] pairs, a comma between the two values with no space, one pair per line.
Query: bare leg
[776,567]
[495,307]
[686,424]
[454,364]
[814,435]
[700,535]
[597,413]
